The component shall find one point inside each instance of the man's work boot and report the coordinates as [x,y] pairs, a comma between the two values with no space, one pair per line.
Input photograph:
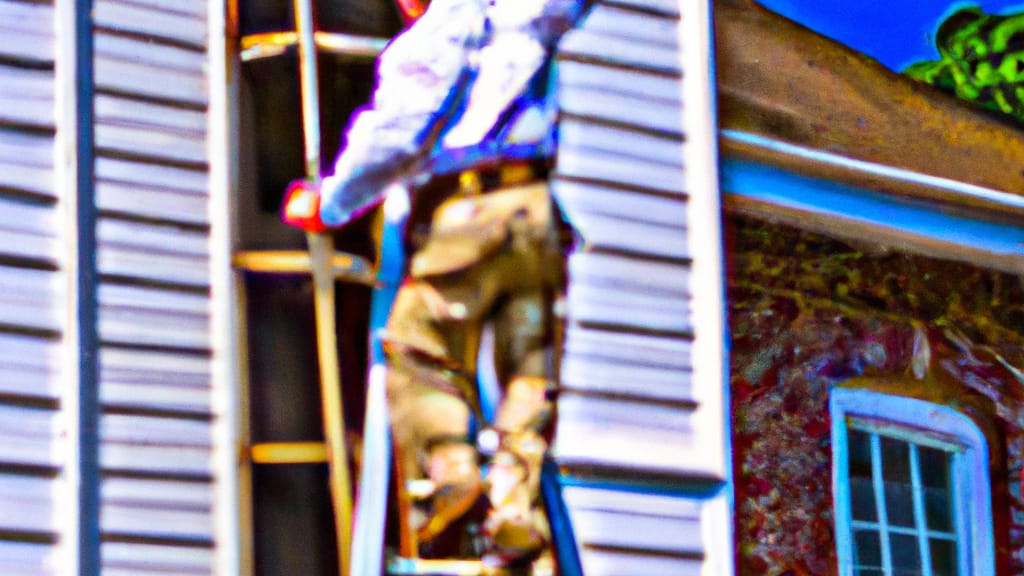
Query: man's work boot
[450,515]
[517,531]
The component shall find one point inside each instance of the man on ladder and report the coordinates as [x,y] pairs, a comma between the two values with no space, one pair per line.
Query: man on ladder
[462,91]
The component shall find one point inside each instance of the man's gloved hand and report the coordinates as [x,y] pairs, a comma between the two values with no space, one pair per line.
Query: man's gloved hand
[301,207]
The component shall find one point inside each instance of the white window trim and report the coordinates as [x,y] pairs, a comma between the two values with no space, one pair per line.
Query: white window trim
[972,491]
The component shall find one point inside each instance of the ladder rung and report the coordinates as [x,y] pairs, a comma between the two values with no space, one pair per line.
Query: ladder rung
[348,267]
[398,566]
[288,453]
[423,567]
[256,46]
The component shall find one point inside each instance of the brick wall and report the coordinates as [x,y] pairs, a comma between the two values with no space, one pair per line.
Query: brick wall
[807,314]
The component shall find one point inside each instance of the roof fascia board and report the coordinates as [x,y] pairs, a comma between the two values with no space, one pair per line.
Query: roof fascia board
[767,185]
[898,182]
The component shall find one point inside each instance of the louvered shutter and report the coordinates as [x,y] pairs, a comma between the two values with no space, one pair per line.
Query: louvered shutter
[154,293]
[640,433]
[32,281]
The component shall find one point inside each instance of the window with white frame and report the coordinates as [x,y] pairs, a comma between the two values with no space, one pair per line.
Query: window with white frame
[911,487]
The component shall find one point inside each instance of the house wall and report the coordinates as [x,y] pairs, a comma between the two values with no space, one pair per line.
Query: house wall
[807,314]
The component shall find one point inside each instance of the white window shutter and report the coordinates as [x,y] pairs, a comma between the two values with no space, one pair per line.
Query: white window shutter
[641,433]
[32,281]
[152,190]
[152,184]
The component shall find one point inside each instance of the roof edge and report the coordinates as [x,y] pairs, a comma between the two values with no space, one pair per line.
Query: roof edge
[951,195]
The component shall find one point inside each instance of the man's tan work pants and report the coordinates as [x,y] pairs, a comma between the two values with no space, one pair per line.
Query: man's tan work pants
[495,258]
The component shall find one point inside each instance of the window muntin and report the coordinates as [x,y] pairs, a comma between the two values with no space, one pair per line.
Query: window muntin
[902,504]
[911,488]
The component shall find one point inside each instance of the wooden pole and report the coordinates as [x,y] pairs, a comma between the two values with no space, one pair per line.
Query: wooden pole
[321,247]
[321,252]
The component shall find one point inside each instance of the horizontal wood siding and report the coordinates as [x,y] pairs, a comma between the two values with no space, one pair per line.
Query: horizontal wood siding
[629,430]
[621,532]
[32,295]
[620,180]
[26,559]
[156,448]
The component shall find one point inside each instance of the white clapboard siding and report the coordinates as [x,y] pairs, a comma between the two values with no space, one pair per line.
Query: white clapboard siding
[586,92]
[117,110]
[631,274]
[29,367]
[624,348]
[132,127]
[626,142]
[164,202]
[150,140]
[631,38]
[32,285]
[158,508]
[122,559]
[163,494]
[135,66]
[31,298]
[613,168]
[627,309]
[624,192]
[28,230]
[154,317]
[621,432]
[156,439]
[196,8]
[630,431]
[151,21]
[152,176]
[26,162]
[154,252]
[606,199]
[151,445]
[155,380]
[29,435]
[623,378]
[26,96]
[27,559]
[27,503]
[27,30]
[632,533]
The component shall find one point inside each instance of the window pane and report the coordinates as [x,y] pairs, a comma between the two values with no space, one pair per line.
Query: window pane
[862,500]
[895,461]
[859,444]
[937,496]
[938,509]
[905,557]
[943,554]
[899,504]
[899,499]
[866,549]
[934,467]
[862,491]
